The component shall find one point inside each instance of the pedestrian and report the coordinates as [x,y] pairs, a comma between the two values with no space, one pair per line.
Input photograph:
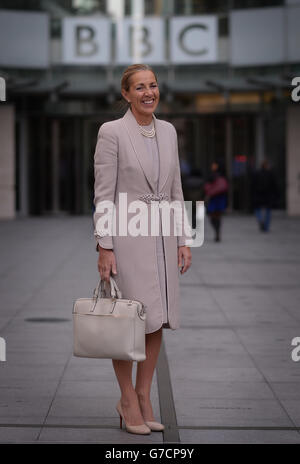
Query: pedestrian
[215,190]
[264,193]
[138,155]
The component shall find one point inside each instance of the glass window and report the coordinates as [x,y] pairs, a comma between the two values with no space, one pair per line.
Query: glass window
[223,26]
[238,4]
[153,7]
[61,6]
[127,7]
[21,4]
[190,7]
[85,6]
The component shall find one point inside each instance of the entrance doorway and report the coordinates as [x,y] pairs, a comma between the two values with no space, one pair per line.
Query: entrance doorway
[227,139]
[60,157]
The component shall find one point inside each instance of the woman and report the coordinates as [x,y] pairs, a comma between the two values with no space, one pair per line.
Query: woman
[137,155]
[216,198]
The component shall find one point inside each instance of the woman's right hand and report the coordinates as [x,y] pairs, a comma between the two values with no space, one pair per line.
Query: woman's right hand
[106,263]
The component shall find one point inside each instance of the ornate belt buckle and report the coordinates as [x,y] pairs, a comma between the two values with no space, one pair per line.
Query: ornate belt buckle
[148,197]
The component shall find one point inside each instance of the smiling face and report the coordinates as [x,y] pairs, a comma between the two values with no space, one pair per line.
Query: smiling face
[143,94]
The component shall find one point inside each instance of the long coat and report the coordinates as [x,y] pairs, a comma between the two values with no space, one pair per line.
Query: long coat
[264,189]
[122,165]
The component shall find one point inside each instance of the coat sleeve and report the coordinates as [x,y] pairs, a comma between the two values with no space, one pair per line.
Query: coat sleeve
[105,174]
[182,223]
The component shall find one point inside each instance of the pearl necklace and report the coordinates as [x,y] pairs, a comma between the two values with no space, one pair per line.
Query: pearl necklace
[147,133]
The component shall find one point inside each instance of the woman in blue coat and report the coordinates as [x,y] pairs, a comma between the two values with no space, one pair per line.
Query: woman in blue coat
[216,198]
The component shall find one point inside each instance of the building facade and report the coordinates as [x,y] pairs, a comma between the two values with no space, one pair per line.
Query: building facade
[225,71]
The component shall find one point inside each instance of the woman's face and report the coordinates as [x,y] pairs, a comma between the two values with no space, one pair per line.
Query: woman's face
[143,93]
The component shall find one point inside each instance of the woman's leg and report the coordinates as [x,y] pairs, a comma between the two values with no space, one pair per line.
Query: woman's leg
[145,371]
[212,220]
[258,214]
[215,219]
[267,220]
[129,399]
[218,222]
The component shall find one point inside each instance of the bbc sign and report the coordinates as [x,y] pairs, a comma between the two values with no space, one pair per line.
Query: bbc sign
[262,36]
[87,41]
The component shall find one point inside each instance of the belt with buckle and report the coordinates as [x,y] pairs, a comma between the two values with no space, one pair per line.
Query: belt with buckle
[148,197]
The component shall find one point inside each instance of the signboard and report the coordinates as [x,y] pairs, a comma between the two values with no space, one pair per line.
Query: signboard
[292,2]
[257,36]
[193,39]
[293,34]
[262,36]
[86,41]
[140,41]
[24,39]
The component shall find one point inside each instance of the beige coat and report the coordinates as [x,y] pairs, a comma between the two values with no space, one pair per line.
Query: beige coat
[122,165]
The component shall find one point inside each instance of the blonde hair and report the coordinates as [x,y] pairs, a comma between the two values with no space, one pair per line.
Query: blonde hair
[122,104]
[132,69]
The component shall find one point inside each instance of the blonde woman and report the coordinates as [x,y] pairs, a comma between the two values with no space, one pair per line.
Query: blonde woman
[137,155]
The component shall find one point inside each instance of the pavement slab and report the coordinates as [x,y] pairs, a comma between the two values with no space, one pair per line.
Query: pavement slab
[226,376]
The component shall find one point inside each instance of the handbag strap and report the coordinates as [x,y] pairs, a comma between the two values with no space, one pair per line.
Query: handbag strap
[114,289]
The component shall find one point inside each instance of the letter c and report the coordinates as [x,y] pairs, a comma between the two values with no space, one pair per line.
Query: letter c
[181,39]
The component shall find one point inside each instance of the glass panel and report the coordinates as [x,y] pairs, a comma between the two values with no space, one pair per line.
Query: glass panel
[275,151]
[181,7]
[239,4]
[203,140]
[243,149]
[21,4]
[58,6]
[188,7]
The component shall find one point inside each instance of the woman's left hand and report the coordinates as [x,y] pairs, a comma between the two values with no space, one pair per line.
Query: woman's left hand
[184,258]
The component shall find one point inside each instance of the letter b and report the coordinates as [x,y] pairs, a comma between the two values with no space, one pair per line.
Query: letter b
[85,45]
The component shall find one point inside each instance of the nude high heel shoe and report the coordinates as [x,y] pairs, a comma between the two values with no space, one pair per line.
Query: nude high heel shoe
[137,429]
[155,426]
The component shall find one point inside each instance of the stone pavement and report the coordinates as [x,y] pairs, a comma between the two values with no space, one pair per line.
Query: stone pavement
[226,376]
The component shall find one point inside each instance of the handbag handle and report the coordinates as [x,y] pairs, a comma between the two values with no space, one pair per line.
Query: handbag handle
[114,289]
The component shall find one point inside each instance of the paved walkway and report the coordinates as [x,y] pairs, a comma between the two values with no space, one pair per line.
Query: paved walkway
[226,376]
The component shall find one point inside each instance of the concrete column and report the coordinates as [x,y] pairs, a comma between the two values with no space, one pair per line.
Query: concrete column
[87,149]
[259,141]
[55,166]
[293,160]
[229,160]
[23,170]
[7,162]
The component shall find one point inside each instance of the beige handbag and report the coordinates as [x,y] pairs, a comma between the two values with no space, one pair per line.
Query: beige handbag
[109,327]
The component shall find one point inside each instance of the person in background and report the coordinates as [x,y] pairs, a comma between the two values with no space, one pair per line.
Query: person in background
[215,190]
[264,193]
